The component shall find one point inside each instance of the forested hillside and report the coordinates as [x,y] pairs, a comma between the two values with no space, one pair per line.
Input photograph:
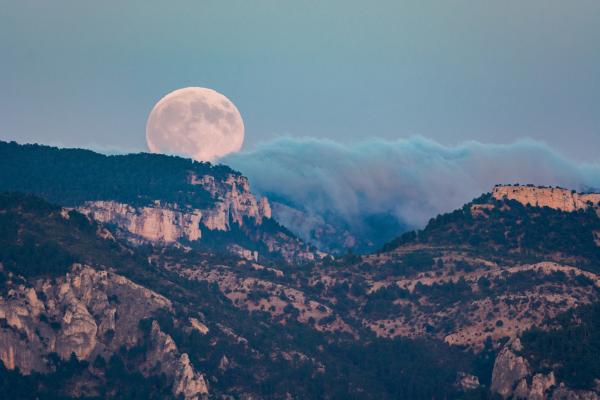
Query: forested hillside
[127,297]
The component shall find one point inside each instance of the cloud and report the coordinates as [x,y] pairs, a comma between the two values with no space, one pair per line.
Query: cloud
[411,180]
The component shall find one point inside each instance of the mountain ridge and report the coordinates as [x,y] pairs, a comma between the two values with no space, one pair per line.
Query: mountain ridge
[149,196]
[104,298]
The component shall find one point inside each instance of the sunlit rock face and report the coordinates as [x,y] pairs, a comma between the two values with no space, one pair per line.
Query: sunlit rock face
[556,198]
[157,223]
[232,206]
[233,203]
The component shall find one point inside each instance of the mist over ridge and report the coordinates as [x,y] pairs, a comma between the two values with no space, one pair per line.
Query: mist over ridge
[402,183]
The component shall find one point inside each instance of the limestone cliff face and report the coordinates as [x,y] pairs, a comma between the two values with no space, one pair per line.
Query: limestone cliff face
[159,223]
[89,313]
[233,203]
[557,198]
[73,314]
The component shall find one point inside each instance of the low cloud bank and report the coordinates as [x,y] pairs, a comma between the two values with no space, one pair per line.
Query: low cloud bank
[411,180]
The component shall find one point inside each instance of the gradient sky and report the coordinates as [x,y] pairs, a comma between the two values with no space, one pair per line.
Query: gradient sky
[81,73]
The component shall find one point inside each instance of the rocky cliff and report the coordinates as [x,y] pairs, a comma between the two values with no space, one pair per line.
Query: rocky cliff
[152,198]
[89,313]
[513,378]
[233,207]
[233,203]
[556,198]
[158,223]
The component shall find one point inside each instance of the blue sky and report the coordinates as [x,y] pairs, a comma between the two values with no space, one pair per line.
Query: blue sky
[87,73]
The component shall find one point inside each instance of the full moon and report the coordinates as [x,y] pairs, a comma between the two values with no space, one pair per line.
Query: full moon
[197,122]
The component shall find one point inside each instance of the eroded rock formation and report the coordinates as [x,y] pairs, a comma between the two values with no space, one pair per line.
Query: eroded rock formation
[557,198]
[158,223]
[233,203]
[72,314]
[89,313]
[163,353]
[509,370]
[512,378]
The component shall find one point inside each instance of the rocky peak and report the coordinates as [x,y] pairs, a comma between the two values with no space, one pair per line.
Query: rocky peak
[553,197]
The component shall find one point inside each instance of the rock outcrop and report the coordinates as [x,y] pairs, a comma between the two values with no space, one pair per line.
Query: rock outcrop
[73,314]
[512,378]
[563,393]
[509,370]
[467,381]
[198,326]
[243,252]
[233,203]
[89,313]
[163,354]
[158,223]
[556,198]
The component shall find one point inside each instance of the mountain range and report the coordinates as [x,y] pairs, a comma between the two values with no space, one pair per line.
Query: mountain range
[149,276]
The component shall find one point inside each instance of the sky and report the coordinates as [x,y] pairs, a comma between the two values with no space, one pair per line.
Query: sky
[86,74]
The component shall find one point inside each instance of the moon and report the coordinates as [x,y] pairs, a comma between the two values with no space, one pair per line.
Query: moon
[197,122]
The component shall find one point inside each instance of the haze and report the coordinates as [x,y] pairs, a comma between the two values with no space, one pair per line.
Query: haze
[86,75]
